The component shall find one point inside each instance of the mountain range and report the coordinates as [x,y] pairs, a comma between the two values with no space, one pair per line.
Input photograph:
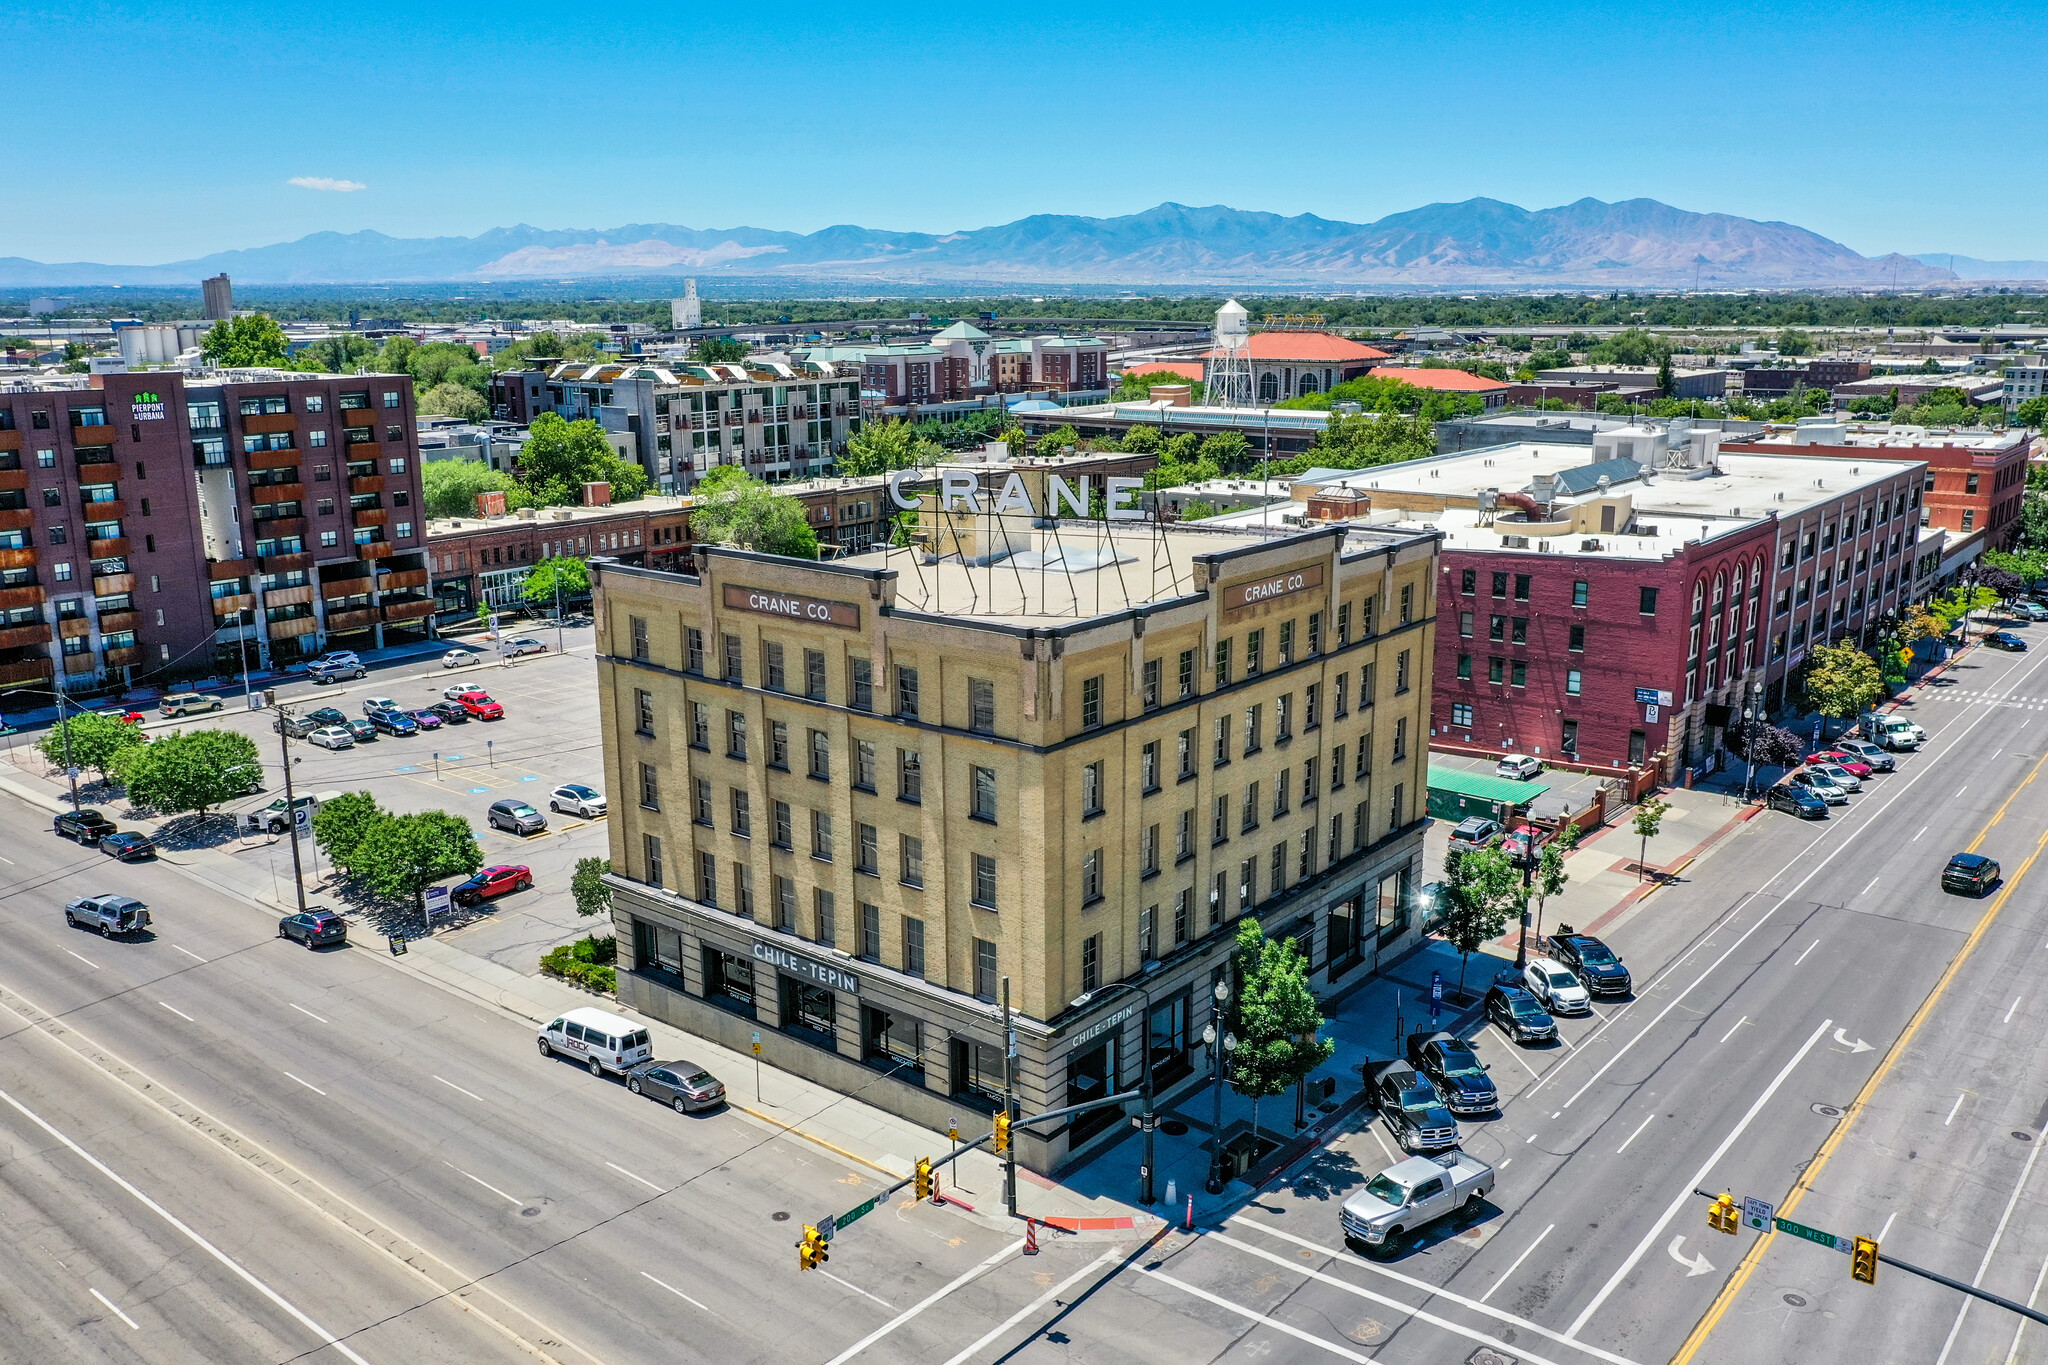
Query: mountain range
[1634,243]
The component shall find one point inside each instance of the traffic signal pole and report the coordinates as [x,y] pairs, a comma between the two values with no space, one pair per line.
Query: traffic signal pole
[1009,1102]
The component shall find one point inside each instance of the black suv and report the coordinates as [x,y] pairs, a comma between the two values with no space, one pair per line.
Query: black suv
[1412,1110]
[86,825]
[1591,960]
[299,726]
[1460,1076]
[316,928]
[1519,1015]
[1970,873]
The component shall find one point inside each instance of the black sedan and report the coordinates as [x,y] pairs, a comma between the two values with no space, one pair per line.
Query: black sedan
[1410,1107]
[684,1085]
[315,928]
[1796,801]
[128,845]
[2005,639]
[85,825]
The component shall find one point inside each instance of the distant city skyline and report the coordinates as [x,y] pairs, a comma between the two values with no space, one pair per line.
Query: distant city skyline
[271,122]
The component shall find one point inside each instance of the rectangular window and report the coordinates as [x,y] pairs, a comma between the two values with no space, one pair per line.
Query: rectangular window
[1148,768]
[650,787]
[735,734]
[1283,718]
[782,824]
[1577,639]
[1311,706]
[1394,820]
[1465,667]
[906,692]
[1184,837]
[1500,585]
[1407,603]
[1222,740]
[1148,850]
[821,756]
[863,687]
[1218,891]
[1091,703]
[864,765]
[1337,768]
[1091,876]
[985,881]
[742,814]
[700,725]
[650,849]
[1148,933]
[1283,787]
[821,836]
[1497,628]
[1570,742]
[1363,768]
[1187,674]
[1091,789]
[909,776]
[1254,652]
[1254,719]
[814,674]
[1342,708]
[771,666]
[1183,911]
[643,711]
[1151,684]
[743,890]
[1401,672]
[707,878]
[1465,625]
[637,628]
[1461,714]
[1344,618]
[1572,682]
[985,980]
[1184,745]
[1579,593]
[1315,633]
[1518,673]
[1519,633]
[870,932]
[984,794]
[867,853]
[913,946]
[693,650]
[1251,807]
[981,706]
[1286,642]
[824,916]
[911,853]
[1223,663]
[1521,587]
[731,647]
[782,892]
[1646,601]
[1400,739]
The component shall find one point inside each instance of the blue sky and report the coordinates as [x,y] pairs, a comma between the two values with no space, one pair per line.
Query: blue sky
[168,130]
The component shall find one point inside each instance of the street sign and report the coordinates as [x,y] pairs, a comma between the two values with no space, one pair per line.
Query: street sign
[757,1044]
[1826,1239]
[1650,714]
[1436,987]
[854,1214]
[828,1225]
[1756,1214]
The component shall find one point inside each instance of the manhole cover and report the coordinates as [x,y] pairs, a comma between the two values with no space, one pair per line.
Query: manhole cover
[2023,1137]
[1173,1128]
[1486,1355]
[1827,1111]
[1796,1300]
[780,1215]
[529,1213]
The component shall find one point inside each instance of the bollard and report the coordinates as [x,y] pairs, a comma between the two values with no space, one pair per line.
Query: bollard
[1190,1225]
[1172,1192]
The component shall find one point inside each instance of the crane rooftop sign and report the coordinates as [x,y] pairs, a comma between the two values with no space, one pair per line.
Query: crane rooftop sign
[960,489]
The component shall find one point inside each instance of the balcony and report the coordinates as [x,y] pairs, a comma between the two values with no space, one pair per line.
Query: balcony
[274,459]
[16,518]
[111,621]
[352,620]
[13,480]
[18,637]
[289,597]
[371,516]
[363,452]
[267,527]
[359,417]
[71,627]
[408,611]
[97,465]
[402,578]
[285,630]
[107,509]
[220,570]
[27,671]
[17,559]
[10,440]
[102,435]
[234,602]
[113,583]
[345,587]
[277,492]
[77,664]
[263,424]
[357,483]
[107,549]
[124,657]
[30,596]
[287,564]
[376,549]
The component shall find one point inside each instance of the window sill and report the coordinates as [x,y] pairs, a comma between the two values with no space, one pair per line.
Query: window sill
[1183,858]
[821,857]
[914,886]
[777,767]
[1148,876]
[862,787]
[989,820]
[1184,777]
[701,748]
[874,872]
[736,757]
[1096,899]
[780,846]
[1095,814]
[911,800]
[826,779]
[644,734]
[1152,790]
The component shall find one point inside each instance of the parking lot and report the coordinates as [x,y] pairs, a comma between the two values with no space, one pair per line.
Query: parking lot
[548,736]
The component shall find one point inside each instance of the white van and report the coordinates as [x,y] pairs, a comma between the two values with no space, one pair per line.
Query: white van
[1894,732]
[604,1042]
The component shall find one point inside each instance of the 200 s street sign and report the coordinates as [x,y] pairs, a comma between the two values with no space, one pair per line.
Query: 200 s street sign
[1242,597]
[793,606]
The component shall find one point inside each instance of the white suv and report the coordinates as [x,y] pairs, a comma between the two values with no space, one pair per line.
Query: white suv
[1518,766]
[1556,987]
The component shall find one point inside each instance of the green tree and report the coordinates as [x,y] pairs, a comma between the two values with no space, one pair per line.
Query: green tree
[1792,342]
[719,351]
[2032,413]
[1141,440]
[1229,451]
[1551,877]
[1355,440]
[400,856]
[452,485]
[1633,346]
[879,447]
[572,575]
[1279,1026]
[454,400]
[560,456]
[745,512]
[1665,382]
[395,356]
[1649,819]
[1058,439]
[241,342]
[340,354]
[97,741]
[447,362]
[1137,388]
[1959,602]
[340,823]
[1482,895]
[191,770]
[587,886]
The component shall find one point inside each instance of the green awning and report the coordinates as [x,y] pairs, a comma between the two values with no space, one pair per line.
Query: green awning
[1478,786]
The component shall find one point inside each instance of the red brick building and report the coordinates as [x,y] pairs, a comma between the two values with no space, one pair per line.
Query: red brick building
[1973,481]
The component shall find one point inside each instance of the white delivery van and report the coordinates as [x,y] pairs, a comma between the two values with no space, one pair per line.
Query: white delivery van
[603,1042]
[1894,732]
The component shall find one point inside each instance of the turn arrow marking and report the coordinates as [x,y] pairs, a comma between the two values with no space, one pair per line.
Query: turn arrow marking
[1694,1265]
[1842,1037]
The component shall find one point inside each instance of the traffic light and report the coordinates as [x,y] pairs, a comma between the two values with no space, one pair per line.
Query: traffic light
[1721,1214]
[1863,1261]
[923,1177]
[813,1250]
[1002,1143]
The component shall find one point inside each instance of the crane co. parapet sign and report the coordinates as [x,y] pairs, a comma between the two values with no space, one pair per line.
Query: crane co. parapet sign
[957,488]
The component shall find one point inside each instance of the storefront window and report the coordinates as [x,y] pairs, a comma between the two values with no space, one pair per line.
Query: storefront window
[1168,1042]
[729,981]
[1393,907]
[893,1040]
[660,948]
[977,1071]
[808,1009]
[1090,1076]
[1343,938]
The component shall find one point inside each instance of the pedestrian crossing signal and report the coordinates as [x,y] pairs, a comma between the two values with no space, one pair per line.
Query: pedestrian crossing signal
[1863,1261]
[923,1177]
[1002,1142]
[1721,1214]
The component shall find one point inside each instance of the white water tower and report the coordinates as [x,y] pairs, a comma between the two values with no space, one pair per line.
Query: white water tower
[1229,376]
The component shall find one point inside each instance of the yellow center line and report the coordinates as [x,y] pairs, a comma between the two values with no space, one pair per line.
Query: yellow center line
[1726,1297]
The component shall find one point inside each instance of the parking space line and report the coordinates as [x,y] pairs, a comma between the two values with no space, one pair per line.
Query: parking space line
[2010,1008]
[1953,1108]
[180,1013]
[1516,1264]
[132,1323]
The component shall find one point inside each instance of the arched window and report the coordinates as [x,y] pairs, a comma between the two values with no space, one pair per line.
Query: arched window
[1269,388]
[1308,384]
[1720,582]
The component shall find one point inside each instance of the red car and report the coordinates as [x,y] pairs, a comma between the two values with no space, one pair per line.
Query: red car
[491,883]
[1517,844]
[480,705]
[1846,761]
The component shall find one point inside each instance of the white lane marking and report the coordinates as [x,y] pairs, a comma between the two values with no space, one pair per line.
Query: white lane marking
[1866,890]
[1257,1317]
[1516,1264]
[1698,1180]
[1383,1144]
[189,953]
[1960,790]
[1916,838]
[675,1291]
[1505,1164]
[86,960]
[308,1084]
[133,1325]
[1499,1315]
[1731,1032]
[907,1314]
[1100,1262]
[2010,1008]
[303,1010]
[520,1203]
[459,1090]
[1516,1053]
[1636,1134]
[2012,1356]
[208,1247]
[1997,1235]
[1887,1224]
[858,1290]
[1529,1139]
[630,1176]
[1809,948]
[180,1013]
[1952,1110]
[8,861]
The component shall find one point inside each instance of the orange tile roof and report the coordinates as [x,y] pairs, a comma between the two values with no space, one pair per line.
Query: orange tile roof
[1307,348]
[1186,369]
[1438,379]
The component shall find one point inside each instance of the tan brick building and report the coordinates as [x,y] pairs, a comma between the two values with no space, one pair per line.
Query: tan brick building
[853,797]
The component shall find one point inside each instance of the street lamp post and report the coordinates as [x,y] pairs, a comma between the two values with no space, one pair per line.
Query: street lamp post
[1221,1044]
[1148,1120]
[1528,862]
[63,699]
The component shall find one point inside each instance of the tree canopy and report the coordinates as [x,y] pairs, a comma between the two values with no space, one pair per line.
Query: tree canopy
[340,823]
[880,447]
[571,575]
[587,886]
[1137,388]
[733,509]
[560,456]
[454,400]
[97,741]
[1278,1023]
[719,351]
[399,856]
[250,340]
[1482,892]
[451,487]
[191,770]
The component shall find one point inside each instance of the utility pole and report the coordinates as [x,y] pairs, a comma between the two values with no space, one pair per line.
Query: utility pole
[1009,1102]
[291,809]
[558,609]
[64,729]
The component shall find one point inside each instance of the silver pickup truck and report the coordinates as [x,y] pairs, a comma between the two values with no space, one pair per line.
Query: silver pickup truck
[1412,1193]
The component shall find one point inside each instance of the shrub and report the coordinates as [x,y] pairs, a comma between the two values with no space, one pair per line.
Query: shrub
[586,963]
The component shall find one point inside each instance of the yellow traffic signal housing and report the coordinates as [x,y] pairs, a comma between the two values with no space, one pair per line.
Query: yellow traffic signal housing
[1002,1142]
[1721,1214]
[923,1177]
[1863,1261]
[813,1250]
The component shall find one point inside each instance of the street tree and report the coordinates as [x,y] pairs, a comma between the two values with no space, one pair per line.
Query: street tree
[192,770]
[1058,439]
[1649,819]
[745,512]
[454,400]
[1482,896]
[570,575]
[1278,1024]
[1227,450]
[587,886]
[340,823]
[1551,877]
[400,856]
[97,741]
[1842,681]
[341,354]
[2032,413]
[1960,601]
[242,342]
[1775,746]
[880,447]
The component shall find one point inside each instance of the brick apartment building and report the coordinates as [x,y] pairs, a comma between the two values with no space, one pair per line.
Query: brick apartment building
[151,529]
[1972,484]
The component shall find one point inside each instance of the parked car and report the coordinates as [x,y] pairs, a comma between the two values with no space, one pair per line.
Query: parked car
[515,817]
[1863,751]
[188,703]
[110,914]
[601,1041]
[1430,902]
[346,658]
[455,691]
[1821,785]
[1554,984]
[1475,832]
[1520,766]
[683,1085]
[120,713]
[360,730]
[491,883]
[574,798]
[426,718]
[316,928]
[1796,800]
[522,644]
[85,825]
[461,658]
[275,818]
[332,737]
[1837,774]
[450,712]
[1409,1195]
[2005,639]
[299,726]
[2031,611]
[1524,842]
[127,845]
[480,706]
[334,672]
[371,705]
[394,722]
[1843,759]
[1592,961]
[1410,1107]
[1972,874]
[1517,1013]
[1894,732]
[1455,1069]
